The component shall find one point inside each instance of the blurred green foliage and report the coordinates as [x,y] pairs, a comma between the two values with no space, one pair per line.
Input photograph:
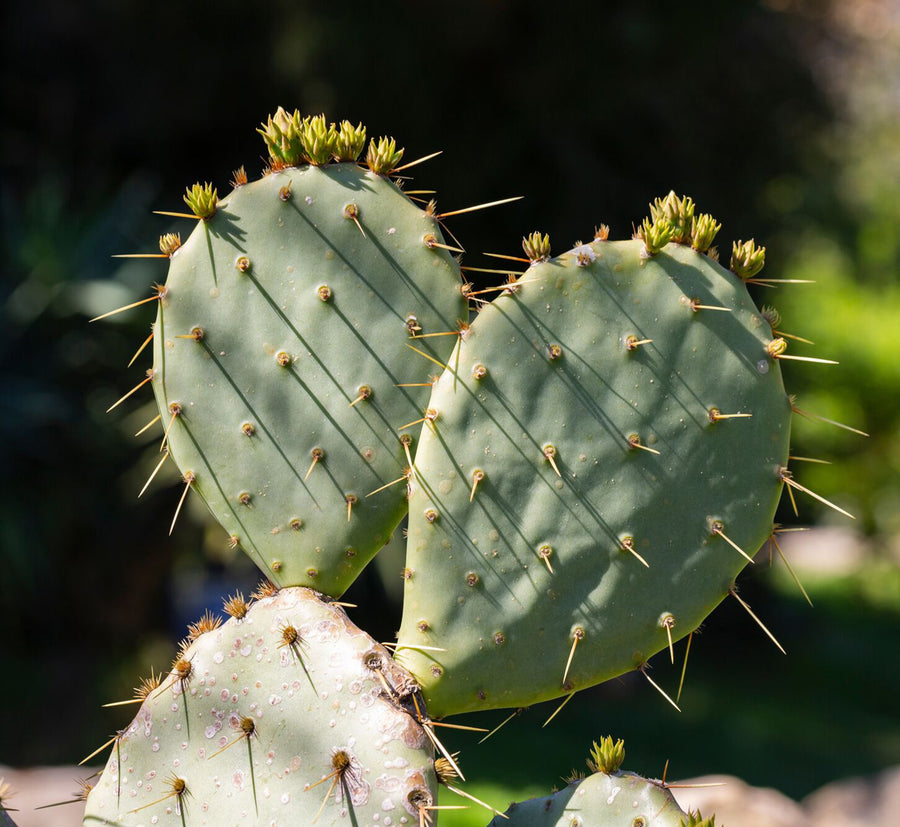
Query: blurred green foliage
[778,117]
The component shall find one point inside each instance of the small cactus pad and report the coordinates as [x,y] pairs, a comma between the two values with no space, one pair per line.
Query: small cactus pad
[270,719]
[604,454]
[284,329]
[622,799]
[607,798]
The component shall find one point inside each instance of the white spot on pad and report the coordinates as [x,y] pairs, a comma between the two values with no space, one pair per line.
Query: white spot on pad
[584,253]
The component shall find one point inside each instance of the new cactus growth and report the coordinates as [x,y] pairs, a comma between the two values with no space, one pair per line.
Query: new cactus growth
[284,713]
[678,213]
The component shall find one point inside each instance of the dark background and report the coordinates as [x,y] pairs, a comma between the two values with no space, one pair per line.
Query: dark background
[778,117]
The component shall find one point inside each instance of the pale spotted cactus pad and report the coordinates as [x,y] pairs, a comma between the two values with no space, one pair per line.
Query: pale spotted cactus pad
[267,707]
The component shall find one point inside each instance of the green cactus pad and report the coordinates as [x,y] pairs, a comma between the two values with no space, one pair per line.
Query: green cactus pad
[622,799]
[265,709]
[584,473]
[282,336]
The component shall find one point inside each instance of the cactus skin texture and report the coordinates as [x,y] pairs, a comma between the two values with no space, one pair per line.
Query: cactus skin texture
[280,340]
[318,707]
[572,499]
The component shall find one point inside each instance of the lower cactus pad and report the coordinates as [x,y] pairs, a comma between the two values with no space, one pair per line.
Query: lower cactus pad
[271,719]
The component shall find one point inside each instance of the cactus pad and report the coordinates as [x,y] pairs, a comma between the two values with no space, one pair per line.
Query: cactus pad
[606,798]
[604,455]
[281,338]
[265,720]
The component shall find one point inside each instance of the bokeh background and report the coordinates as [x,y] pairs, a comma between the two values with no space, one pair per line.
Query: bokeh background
[781,117]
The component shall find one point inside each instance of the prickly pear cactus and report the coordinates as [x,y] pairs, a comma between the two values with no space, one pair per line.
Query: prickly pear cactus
[608,797]
[604,454]
[286,714]
[600,457]
[284,350]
